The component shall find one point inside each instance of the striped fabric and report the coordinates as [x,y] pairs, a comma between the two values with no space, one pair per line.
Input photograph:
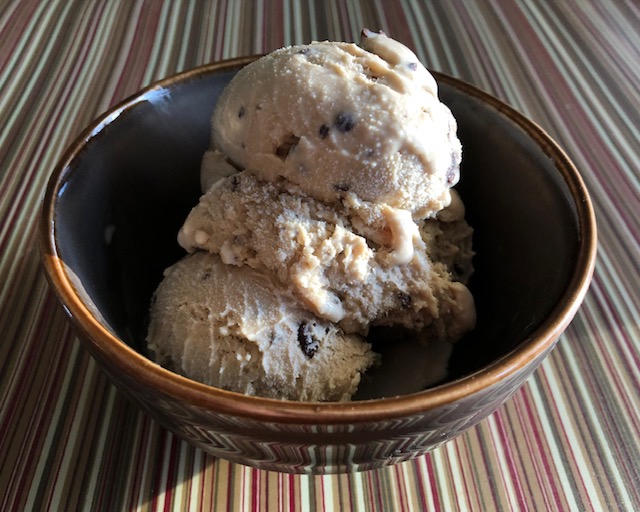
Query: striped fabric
[568,440]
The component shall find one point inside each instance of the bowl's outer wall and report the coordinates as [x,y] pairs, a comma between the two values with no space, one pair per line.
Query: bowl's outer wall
[123,197]
[317,449]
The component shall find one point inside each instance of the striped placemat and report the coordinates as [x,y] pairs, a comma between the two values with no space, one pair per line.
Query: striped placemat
[567,441]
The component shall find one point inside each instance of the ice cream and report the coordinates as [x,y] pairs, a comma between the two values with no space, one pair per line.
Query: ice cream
[240,329]
[327,211]
[336,117]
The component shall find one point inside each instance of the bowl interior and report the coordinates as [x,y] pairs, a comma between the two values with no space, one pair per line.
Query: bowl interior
[124,195]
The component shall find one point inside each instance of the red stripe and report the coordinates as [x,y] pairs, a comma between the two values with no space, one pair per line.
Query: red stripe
[255,489]
[230,494]
[292,494]
[400,488]
[170,481]
[432,482]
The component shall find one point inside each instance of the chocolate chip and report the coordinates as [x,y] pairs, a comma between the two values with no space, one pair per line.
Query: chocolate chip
[341,187]
[405,300]
[308,344]
[241,112]
[323,131]
[412,66]
[290,142]
[235,183]
[344,122]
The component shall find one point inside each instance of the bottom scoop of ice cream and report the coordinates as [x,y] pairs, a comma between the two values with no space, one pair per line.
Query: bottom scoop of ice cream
[237,329]
[335,117]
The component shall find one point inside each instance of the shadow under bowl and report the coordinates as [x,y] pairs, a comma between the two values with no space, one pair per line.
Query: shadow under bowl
[121,191]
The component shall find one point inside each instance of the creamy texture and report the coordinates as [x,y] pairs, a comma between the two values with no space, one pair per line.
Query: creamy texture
[334,117]
[345,262]
[235,328]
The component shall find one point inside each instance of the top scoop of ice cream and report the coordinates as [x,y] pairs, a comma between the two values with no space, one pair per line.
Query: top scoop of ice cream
[335,117]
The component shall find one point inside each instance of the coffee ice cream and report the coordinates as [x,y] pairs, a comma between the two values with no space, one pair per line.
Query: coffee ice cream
[327,211]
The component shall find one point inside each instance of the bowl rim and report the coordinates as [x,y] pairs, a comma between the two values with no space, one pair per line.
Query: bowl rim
[101,341]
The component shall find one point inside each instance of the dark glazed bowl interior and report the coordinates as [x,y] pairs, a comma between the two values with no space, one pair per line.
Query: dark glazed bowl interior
[122,200]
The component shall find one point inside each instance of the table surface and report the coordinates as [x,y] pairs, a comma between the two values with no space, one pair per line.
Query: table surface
[568,440]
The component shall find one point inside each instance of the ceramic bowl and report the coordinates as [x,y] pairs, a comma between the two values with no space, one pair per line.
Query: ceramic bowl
[121,191]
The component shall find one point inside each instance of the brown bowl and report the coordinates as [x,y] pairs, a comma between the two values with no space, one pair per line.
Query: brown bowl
[121,191]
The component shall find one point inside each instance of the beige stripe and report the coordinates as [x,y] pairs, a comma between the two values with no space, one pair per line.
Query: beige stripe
[443,472]
[578,445]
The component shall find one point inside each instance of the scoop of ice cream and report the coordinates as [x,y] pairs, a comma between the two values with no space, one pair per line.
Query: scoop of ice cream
[237,329]
[345,262]
[337,117]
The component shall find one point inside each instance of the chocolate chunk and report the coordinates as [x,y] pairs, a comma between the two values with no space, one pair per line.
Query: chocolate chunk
[290,142]
[308,343]
[341,187]
[344,122]
[323,131]
[405,300]
[241,112]
[235,182]
[412,66]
